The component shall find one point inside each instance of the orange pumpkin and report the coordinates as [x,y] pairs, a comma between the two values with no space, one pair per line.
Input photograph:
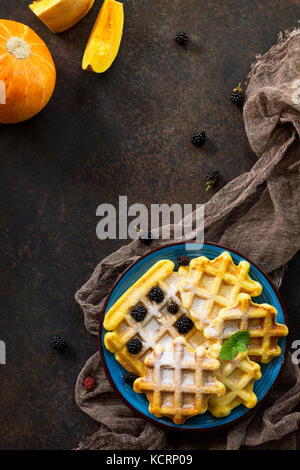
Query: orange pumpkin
[27,73]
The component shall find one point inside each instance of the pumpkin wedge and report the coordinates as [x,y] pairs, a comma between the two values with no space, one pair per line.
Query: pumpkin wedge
[59,15]
[105,39]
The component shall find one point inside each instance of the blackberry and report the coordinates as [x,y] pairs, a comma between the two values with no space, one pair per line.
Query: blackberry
[212,179]
[138,313]
[181,38]
[183,260]
[58,343]
[156,295]
[134,345]
[198,138]
[145,237]
[237,96]
[184,324]
[172,307]
[129,377]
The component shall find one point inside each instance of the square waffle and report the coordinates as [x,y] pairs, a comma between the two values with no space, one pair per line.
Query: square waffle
[179,382]
[211,285]
[238,376]
[158,327]
[258,319]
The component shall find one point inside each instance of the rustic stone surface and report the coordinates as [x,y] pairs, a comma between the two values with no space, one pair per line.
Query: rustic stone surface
[124,132]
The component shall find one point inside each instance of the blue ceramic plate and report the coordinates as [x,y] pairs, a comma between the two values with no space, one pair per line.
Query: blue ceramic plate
[114,370]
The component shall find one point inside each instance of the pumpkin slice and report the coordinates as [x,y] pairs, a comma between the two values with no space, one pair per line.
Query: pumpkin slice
[59,15]
[104,42]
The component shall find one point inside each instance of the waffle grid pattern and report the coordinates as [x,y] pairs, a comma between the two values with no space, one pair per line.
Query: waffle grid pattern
[258,319]
[238,376]
[213,285]
[180,381]
[157,327]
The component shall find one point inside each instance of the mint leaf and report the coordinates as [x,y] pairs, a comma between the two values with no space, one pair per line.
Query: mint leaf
[227,351]
[241,338]
[242,347]
[237,342]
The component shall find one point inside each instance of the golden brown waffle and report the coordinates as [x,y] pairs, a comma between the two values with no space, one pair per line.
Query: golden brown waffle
[211,285]
[179,382]
[259,320]
[238,376]
[158,325]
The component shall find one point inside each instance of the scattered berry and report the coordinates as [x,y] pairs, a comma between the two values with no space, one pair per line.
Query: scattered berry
[172,307]
[129,377]
[212,179]
[237,96]
[138,313]
[89,384]
[181,38]
[156,295]
[198,138]
[58,343]
[134,345]
[145,237]
[183,260]
[184,324]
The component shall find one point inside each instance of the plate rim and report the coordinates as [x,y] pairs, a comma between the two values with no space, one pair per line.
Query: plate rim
[160,424]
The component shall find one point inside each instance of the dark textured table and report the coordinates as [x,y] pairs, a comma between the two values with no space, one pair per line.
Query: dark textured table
[124,132]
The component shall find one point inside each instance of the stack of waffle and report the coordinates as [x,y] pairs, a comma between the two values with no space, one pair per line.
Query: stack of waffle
[174,341]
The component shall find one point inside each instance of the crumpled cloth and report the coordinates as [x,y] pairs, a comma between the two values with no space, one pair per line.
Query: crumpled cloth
[257,214]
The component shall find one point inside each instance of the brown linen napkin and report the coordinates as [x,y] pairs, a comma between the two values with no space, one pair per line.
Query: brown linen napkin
[257,214]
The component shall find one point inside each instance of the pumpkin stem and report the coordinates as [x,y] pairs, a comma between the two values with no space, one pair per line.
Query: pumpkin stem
[18,47]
